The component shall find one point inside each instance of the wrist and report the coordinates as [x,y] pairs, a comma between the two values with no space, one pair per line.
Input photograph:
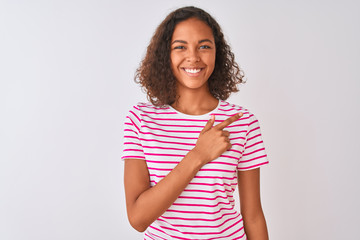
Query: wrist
[198,158]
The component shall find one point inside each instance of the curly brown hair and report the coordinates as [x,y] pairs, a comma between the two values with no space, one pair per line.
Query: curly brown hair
[155,74]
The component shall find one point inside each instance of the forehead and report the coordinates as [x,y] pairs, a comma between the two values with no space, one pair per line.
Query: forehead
[192,28]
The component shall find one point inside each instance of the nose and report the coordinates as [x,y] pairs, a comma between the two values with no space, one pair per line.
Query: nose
[193,55]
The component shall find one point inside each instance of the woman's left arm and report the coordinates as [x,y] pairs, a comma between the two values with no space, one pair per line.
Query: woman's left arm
[251,210]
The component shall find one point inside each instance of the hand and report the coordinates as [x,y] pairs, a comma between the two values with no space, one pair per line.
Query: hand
[213,141]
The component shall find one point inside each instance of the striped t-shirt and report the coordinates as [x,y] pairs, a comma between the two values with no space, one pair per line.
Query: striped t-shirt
[206,208]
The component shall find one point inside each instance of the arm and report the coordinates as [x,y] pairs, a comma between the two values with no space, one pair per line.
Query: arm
[251,210]
[144,203]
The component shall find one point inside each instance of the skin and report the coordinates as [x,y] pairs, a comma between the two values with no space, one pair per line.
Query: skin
[192,47]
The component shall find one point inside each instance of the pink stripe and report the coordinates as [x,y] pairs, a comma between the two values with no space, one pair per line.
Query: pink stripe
[253,166]
[261,149]
[205,191]
[168,125]
[166,148]
[217,177]
[213,184]
[239,238]
[192,126]
[233,150]
[158,237]
[228,156]
[216,170]
[153,238]
[231,234]
[205,233]
[200,205]
[237,125]
[211,177]
[253,137]
[172,131]
[243,131]
[201,226]
[130,130]
[230,109]
[236,138]
[168,162]
[152,107]
[223,163]
[168,136]
[132,143]
[199,212]
[159,113]
[201,170]
[135,116]
[238,144]
[195,120]
[207,184]
[254,129]
[177,162]
[129,156]
[130,149]
[251,123]
[263,156]
[176,119]
[153,140]
[227,115]
[134,124]
[126,136]
[188,120]
[205,198]
[247,147]
[201,219]
[166,155]
[168,234]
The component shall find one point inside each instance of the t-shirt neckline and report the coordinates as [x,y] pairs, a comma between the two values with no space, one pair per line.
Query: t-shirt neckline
[197,116]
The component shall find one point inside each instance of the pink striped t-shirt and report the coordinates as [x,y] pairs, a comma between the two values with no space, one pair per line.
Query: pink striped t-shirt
[206,208]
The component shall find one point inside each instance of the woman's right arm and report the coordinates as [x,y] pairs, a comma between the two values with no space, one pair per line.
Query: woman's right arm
[144,203]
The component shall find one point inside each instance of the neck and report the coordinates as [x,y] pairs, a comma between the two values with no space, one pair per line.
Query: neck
[195,102]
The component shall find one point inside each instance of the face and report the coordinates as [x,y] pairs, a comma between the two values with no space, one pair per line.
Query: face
[192,54]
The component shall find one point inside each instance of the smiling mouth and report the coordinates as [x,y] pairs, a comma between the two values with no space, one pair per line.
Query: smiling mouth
[192,70]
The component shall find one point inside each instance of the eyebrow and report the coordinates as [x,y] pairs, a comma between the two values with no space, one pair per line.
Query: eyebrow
[184,42]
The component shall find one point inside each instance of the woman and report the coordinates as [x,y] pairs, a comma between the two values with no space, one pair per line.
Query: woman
[187,149]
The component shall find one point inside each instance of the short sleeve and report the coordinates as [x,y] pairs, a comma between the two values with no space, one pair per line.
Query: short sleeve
[254,154]
[132,147]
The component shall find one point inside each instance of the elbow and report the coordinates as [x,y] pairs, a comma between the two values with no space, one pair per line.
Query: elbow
[138,228]
[138,224]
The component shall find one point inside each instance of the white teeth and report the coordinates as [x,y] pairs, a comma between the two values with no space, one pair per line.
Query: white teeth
[192,70]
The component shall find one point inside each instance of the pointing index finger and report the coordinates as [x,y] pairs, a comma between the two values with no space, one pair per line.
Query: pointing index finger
[228,121]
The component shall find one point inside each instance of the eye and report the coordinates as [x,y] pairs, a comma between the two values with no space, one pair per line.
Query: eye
[205,47]
[179,47]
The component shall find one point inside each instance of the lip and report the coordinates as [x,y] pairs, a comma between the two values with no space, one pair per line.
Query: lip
[192,74]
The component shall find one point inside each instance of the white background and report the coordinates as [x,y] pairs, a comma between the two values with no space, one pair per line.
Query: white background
[66,84]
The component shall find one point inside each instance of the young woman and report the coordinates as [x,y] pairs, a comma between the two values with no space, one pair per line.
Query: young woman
[187,149]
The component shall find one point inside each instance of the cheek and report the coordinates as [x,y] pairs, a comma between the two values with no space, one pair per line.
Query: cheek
[211,61]
[174,59]
[172,62]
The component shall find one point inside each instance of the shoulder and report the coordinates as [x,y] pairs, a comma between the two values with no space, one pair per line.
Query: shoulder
[231,109]
[145,108]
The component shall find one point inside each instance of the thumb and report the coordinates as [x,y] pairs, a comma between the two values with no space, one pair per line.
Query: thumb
[209,124]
